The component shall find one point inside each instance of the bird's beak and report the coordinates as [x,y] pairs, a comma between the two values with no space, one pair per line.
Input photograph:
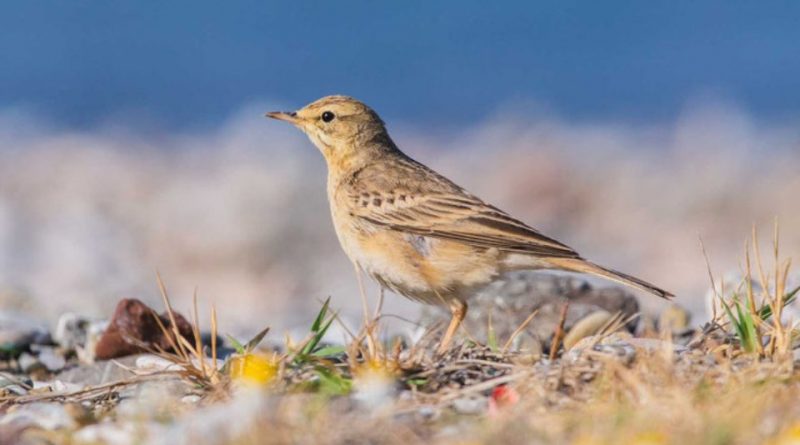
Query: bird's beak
[288,116]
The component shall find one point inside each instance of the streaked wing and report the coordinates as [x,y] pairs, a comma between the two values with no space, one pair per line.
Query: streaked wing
[441,209]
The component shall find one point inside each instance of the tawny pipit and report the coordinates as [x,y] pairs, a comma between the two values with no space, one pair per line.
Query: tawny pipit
[415,231]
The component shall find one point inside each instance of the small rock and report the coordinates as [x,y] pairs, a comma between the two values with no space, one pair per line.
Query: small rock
[64,387]
[191,399]
[18,332]
[80,413]
[57,386]
[510,300]
[13,389]
[133,329]
[13,384]
[616,345]
[127,433]
[208,363]
[471,405]
[586,326]
[52,359]
[98,373]
[79,333]
[11,379]
[28,362]
[655,345]
[71,330]
[623,352]
[153,363]
[428,412]
[48,416]
[674,319]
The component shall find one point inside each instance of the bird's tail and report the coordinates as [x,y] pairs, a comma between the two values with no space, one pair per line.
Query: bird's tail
[584,266]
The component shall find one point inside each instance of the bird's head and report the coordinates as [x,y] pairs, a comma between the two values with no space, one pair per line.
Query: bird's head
[340,126]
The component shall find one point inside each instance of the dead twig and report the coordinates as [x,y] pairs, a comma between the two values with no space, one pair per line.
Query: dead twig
[559,334]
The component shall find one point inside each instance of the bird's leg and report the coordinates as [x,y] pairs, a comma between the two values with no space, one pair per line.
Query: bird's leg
[365,308]
[459,310]
[379,307]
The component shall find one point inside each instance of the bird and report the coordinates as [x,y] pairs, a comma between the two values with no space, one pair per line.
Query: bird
[414,231]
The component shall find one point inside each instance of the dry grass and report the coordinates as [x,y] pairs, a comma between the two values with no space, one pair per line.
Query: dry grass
[734,383]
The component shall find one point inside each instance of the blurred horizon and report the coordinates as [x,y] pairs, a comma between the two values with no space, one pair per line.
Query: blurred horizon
[184,66]
[239,211]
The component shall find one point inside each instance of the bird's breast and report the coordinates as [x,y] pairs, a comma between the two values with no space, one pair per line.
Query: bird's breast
[422,268]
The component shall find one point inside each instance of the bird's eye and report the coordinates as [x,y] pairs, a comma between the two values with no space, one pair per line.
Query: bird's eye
[327,116]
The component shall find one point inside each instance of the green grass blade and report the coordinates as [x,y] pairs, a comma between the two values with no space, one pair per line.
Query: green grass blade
[332,383]
[311,346]
[734,321]
[788,298]
[321,315]
[491,340]
[253,343]
[329,351]
[750,339]
[236,345]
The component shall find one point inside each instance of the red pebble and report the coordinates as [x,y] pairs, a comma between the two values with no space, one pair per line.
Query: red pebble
[133,329]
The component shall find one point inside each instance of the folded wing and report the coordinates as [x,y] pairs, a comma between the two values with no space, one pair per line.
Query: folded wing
[457,215]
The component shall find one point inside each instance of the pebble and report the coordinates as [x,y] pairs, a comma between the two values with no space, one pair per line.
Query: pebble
[71,330]
[511,299]
[152,363]
[152,400]
[27,362]
[80,413]
[617,337]
[117,433]
[13,388]
[471,405]
[48,416]
[98,373]
[611,346]
[623,346]
[208,362]
[11,379]
[51,358]
[674,319]
[656,345]
[586,326]
[79,333]
[133,329]
[46,360]
[428,412]
[57,386]
[191,399]
[18,332]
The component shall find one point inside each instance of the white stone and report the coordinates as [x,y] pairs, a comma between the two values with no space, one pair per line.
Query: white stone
[152,363]
[48,416]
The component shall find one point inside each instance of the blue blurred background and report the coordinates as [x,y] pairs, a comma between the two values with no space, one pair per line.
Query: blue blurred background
[182,64]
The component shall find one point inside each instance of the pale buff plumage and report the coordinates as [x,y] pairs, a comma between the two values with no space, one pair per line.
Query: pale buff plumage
[415,231]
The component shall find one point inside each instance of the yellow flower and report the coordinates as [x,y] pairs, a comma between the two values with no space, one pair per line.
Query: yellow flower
[584,439]
[375,383]
[376,368]
[790,436]
[254,368]
[649,438]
